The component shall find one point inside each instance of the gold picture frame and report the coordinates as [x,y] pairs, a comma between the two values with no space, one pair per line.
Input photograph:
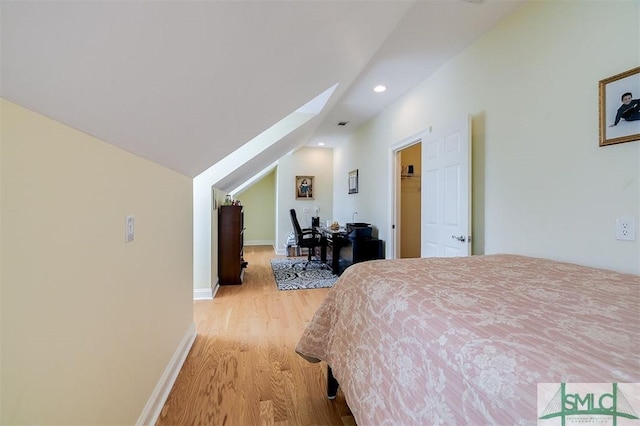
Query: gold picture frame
[304,187]
[619,108]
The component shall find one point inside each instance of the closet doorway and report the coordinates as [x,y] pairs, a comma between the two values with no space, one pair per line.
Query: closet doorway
[431,193]
[409,201]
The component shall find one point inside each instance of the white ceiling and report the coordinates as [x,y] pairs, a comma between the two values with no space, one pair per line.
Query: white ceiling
[185,83]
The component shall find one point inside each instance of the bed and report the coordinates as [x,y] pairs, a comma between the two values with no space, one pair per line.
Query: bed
[467,340]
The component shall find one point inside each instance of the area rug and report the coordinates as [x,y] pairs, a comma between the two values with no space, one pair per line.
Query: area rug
[290,274]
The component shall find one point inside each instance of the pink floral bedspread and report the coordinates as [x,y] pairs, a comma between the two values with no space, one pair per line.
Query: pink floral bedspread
[466,340]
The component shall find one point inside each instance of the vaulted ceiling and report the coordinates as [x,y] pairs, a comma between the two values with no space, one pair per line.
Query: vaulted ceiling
[186,83]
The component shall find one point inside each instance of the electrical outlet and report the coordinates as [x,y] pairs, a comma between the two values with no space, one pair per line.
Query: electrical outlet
[625,229]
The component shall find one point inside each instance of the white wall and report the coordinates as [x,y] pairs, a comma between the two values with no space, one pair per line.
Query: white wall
[371,198]
[306,161]
[89,322]
[542,185]
[205,242]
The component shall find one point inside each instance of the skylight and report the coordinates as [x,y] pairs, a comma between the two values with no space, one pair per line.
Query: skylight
[264,140]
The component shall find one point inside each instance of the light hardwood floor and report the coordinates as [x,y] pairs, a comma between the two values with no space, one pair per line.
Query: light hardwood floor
[242,368]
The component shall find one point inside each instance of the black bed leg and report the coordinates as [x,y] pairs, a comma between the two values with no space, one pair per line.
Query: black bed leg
[332,384]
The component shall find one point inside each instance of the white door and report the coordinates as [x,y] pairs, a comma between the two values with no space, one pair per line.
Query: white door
[446,186]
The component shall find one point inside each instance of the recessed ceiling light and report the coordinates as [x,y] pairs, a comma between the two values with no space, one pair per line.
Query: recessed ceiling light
[379,88]
[320,143]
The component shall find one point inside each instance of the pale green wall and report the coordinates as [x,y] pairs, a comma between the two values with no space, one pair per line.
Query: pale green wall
[259,203]
[89,322]
[542,185]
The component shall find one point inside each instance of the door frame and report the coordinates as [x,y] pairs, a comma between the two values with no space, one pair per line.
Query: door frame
[394,189]
[394,183]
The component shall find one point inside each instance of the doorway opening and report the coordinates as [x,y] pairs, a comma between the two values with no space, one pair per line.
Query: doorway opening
[430,203]
[409,201]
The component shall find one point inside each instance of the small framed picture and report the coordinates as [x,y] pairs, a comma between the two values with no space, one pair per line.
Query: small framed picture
[353,181]
[304,187]
[620,108]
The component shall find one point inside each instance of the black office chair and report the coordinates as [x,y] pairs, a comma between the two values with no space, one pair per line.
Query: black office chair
[306,238]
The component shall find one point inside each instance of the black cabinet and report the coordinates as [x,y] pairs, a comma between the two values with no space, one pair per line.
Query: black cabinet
[231,262]
[354,250]
[344,248]
[366,249]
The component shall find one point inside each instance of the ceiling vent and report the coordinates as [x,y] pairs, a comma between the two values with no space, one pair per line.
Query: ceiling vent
[343,123]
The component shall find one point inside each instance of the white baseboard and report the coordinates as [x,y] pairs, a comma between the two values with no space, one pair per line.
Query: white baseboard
[202,294]
[259,243]
[159,396]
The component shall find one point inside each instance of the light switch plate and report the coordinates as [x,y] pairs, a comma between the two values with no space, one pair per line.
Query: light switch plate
[129,228]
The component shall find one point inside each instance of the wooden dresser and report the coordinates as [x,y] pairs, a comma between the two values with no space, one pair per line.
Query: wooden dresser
[231,262]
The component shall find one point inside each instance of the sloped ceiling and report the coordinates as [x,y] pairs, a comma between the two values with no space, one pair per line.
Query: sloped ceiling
[185,83]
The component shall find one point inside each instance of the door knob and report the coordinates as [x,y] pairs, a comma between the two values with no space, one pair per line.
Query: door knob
[461,238]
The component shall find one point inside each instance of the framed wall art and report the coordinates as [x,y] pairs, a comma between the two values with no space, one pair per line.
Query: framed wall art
[304,187]
[619,108]
[353,181]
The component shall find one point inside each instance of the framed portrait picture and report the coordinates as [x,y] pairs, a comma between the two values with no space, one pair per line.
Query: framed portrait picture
[304,187]
[620,108]
[353,181]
